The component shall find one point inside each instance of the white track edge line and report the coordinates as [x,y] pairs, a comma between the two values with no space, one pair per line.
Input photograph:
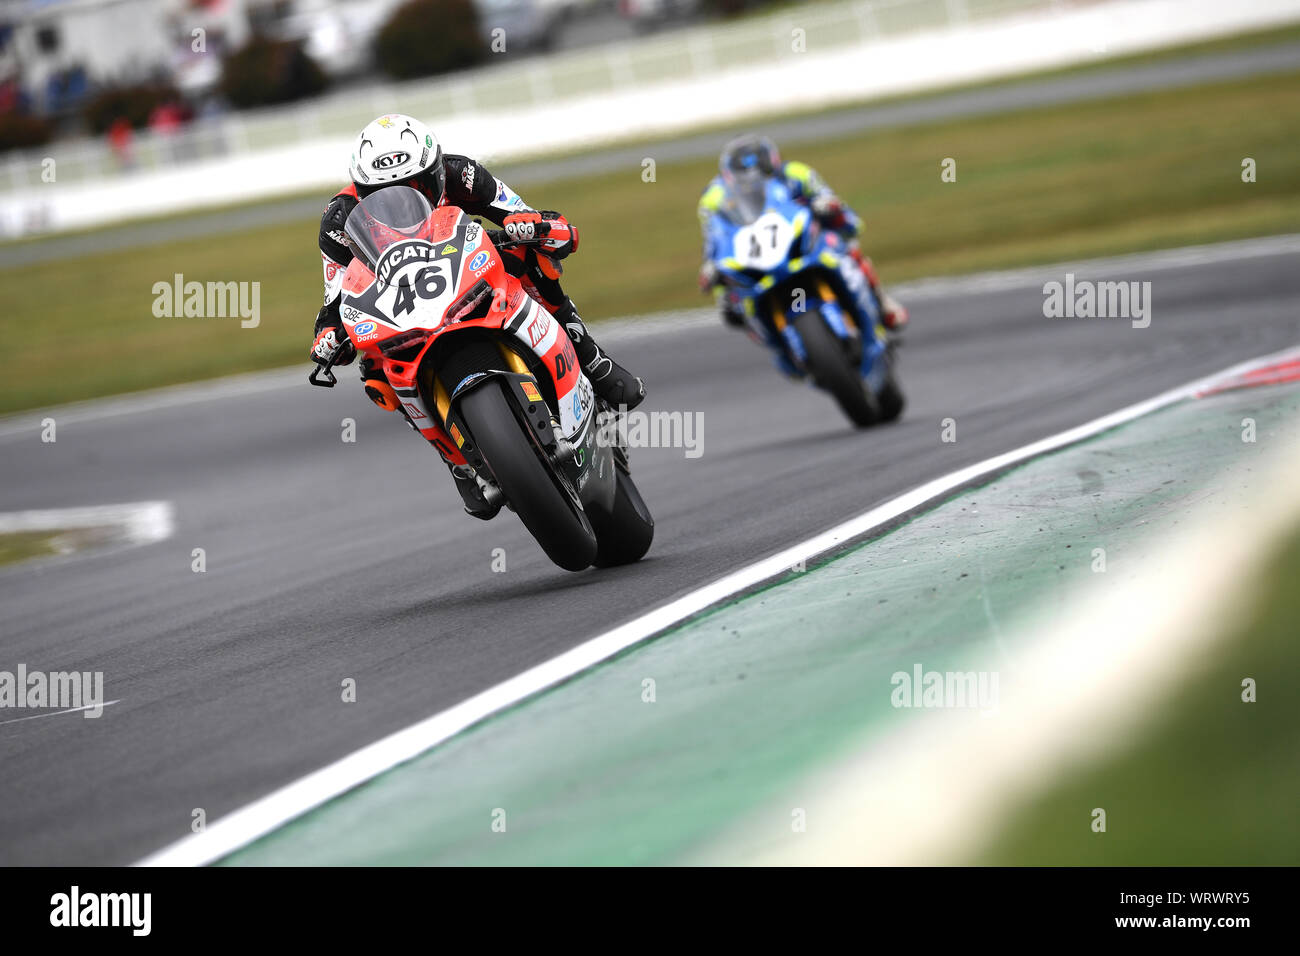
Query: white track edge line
[140,522]
[56,713]
[266,814]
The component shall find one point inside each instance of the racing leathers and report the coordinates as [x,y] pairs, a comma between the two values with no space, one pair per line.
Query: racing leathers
[470,186]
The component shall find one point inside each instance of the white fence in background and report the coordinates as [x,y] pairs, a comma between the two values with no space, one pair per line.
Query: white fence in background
[533,81]
[273,153]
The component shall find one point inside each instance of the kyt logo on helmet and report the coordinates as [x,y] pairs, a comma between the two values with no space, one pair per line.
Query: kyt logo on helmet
[398,158]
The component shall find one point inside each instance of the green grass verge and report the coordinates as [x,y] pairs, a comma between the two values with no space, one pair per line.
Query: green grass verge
[24,545]
[1212,781]
[1119,175]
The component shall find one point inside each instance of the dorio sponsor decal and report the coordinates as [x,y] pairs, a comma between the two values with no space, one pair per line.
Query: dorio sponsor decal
[478,262]
[363,329]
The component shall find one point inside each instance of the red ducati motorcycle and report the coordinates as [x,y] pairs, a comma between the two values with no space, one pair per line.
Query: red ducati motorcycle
[488,376]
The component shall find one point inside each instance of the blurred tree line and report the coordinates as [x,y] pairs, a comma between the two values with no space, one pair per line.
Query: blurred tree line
[420,38]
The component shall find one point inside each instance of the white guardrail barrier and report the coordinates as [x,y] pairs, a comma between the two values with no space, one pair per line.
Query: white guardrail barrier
[538,80]
[800,57]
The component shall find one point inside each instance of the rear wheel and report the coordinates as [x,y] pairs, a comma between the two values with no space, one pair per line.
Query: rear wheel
[832,370]
[891,397]
[528,482]
[624,535]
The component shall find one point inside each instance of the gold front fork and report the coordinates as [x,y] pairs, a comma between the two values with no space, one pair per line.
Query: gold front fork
[828,296]
[513,359]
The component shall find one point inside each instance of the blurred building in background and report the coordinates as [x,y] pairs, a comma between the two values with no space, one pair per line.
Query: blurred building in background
[150,107]
[55,55]
[55,51]
[109,87]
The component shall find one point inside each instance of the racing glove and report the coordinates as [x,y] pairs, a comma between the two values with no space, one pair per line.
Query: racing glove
[831,211]
[551,232]
[708,277]
[826,206]
[333,343]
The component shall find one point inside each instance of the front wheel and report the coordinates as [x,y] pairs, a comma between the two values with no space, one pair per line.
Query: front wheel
[624,535]
[891,399]
[526,478]
[831,369]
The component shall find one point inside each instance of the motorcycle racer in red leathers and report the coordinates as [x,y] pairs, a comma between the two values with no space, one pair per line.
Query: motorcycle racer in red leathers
[398,150]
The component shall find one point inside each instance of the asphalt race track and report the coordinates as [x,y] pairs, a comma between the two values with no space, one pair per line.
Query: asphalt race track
[328,560]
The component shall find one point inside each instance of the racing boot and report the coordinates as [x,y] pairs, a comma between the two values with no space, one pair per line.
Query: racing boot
[612,382]
[892,312]
[476,504]
[733,313]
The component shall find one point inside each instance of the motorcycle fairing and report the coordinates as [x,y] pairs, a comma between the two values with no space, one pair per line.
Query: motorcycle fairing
[415,283]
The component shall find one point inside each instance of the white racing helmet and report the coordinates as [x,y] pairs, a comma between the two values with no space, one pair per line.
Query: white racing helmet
[398,149]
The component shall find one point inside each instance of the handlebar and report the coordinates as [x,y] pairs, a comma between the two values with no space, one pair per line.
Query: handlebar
[501,239]
[324,367]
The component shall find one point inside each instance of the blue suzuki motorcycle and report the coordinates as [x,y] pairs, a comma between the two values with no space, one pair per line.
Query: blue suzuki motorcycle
[806,298]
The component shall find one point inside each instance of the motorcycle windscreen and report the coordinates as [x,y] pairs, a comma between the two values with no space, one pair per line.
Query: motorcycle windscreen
[387,216]
[746,198]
